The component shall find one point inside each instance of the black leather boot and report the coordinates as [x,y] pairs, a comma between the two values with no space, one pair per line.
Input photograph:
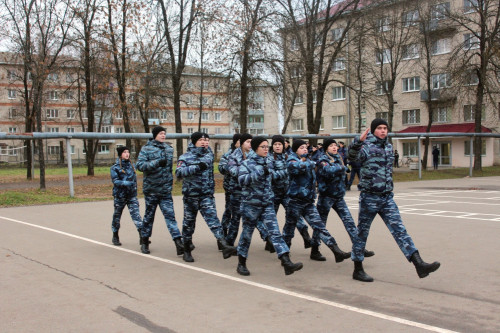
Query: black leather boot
[289,266]
[242,266]
[359,273]
[368,254]
[339,254]
[116,239]
[423,268]
[227,250]
[179,246]
[306,237]
[269,245]
[187,252]
[315,254]
[145,245]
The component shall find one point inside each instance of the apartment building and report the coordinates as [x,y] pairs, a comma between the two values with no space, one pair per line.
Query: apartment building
[393,76]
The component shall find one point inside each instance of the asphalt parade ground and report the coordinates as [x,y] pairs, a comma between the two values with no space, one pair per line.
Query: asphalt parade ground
[60,273]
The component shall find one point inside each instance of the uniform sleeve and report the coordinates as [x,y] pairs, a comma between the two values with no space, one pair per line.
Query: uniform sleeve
[115,178]
[278,169]
[144,163]
[185,169]
[355,153]
[223,164]
[297,167]
[232,166]
[248,175]
[328,170]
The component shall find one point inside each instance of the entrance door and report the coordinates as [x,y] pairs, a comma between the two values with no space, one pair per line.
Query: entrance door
[444,152]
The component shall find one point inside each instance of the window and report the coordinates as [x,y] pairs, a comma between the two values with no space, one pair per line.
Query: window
[410,149]
[382,88]
[322,124]
[53,150]
[53,129]
[204,84]
[103,149]
[338,93]
[294,44]
[471,78]
[217,130]
[299,99]
[119,115]
[204,130]
[72,149]
[190,116]
[189,84]
[217,101]
[470,6]
[70,130]
[204,116]
[204,100]
[12,129]
[295,72]
[217,85]
[410,18]
[467,148]
[440,81]
[53,77]
[339,64]
[69,78]
[164,115]
[190,130]
[315,96]
[134,115]
[119,130]
[11,75]
[411,51]
[383,56]
[11,93]
[189,100]
[52,113]
[217,116]
[336,34]
[440,11]
[298,124]
[54,95]
[469,114]
[338,122]
[384,24]
[411,117]
[363,122]
[411,84]
[382,115]
[441,46]
[441,115]
[68,94]
[12,113]
[471,42]
[105,129]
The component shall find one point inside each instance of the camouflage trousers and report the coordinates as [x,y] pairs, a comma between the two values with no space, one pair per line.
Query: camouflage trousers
[133,208]
[251,216]
[167,208]
[324,205]
[283,200]
[299,208]
[369,206]
[234,223]
[206,206]
[226,217]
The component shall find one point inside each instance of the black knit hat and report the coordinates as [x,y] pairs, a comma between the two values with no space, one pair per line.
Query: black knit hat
[278,138]
[244,137]
[236,138]
[328,142]
[297,143]
[196,136]
[121,149]
[157,130]
[377,122]
[256,141]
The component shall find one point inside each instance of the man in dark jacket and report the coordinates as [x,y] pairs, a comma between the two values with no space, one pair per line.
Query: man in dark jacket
[374,152]
[155,161]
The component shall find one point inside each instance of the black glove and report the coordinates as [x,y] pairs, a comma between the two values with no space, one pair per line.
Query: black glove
[347,170]
[163,162]
[203,166]
[266,170]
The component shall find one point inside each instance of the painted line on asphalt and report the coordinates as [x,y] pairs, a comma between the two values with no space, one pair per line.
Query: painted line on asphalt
[250,283]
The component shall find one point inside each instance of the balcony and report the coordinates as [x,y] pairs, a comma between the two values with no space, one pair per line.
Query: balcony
[438,95]
[440,27]
[255,112]
[153,121]
[255,125]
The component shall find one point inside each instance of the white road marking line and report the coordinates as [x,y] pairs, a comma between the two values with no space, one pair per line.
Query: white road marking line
[250,283]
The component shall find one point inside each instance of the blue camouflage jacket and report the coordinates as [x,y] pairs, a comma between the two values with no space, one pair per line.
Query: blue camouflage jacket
[157,180]
[376,158]
[255,185]
[233,165]
[302,178]
[331,175]
[223,169]
[279,173]
[124,179]
[196,182]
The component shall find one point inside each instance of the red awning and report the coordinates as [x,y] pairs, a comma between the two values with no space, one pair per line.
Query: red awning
[453,128]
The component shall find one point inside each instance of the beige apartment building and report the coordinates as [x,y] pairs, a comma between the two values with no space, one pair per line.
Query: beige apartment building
[453,88]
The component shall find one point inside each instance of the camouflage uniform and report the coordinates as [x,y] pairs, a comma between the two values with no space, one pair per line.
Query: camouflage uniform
[226,217]
[376,158]
[124,193]
[302,193]
[331,188]
[234,162]
[257,203]
[198,191]
[157,186]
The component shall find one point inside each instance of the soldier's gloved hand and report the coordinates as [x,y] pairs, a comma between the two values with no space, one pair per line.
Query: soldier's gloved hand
[266,170]
[163,162]
[347,170]
[203,166]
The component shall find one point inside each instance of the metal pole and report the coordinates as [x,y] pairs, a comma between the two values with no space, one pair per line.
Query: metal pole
[32,152]
[70,168]
[419,159]
[471,156]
